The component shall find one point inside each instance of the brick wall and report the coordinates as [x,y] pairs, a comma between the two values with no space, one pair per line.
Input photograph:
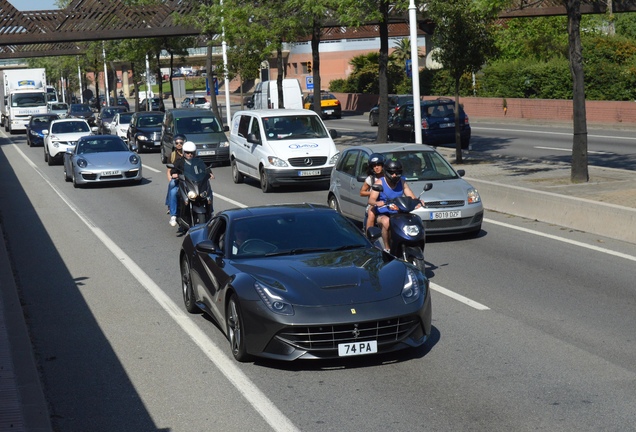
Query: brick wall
[534,109]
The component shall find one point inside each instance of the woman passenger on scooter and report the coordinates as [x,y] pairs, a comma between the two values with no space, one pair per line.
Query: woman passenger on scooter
[394,186]
[375,172]
[171,196]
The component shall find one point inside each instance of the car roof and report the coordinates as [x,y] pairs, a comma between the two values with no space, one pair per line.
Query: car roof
[272,210]
[393,147]
[277,112]
[148,113]
[69,120]
[191,112]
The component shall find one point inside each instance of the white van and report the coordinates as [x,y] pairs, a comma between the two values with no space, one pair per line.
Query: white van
[279,147]
[266,95]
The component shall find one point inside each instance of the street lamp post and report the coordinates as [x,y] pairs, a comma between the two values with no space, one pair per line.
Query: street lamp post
[107,96]
[415,75]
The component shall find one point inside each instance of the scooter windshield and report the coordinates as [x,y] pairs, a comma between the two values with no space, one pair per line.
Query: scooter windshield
[195,171]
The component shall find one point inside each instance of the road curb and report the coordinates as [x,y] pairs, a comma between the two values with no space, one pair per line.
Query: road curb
[608,220]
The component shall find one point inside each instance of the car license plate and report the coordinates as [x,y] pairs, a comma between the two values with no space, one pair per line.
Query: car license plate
[446,215]
[110,173]
[157,143]
[329,112]
[357,348]
[447,125]
[309,173]
[206,152]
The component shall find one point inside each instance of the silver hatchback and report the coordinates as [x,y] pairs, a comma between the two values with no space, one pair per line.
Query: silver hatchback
[452,206]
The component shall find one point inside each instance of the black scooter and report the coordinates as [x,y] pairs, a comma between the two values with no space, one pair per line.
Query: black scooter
[195,197]
[408,236]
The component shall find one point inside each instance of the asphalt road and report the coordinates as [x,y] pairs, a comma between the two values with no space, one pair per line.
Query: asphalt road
[531,331]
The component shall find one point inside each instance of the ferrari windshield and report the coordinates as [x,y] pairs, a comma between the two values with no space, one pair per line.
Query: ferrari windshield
[422,165]
[292,127]
[295,234]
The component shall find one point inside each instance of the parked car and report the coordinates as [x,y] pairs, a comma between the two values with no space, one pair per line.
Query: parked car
[59,108]
[438,123]
[300,281]
[38,123]
[452,206]
[156,104]
[195,102]
[81,111]
[120,124]
[144,132]
[281,147]
[105,117]
[395,101]
[62,135]
[329,105]
[99,159]
[201,127]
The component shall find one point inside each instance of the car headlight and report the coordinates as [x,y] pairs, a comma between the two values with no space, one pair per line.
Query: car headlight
[192,195]
[473,196]
[142,137]
[334,159]
[82,163]
[224,144]
[412,289]
[134,159]
[32,132]
[274,302]
[277,162]
[411,230]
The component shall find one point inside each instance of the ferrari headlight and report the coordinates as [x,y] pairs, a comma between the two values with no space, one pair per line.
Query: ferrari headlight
[411,230]
[134,159]
[274,302]
[334,159]
[473,196]
[277,162]
[192,195]
[412,289]
[82,163]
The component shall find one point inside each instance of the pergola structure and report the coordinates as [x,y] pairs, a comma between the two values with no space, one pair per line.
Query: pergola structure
[55,32]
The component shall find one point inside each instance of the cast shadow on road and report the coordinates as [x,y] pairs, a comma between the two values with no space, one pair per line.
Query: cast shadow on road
[85,384]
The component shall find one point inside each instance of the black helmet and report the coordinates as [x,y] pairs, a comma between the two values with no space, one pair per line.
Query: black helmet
[180,137]
[376,159]
[390,168]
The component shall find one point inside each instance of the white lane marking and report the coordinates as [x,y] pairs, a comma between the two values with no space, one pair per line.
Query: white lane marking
[460,298]
[148,167]
[570,150]
[272,415]
[552,133]
[564,240]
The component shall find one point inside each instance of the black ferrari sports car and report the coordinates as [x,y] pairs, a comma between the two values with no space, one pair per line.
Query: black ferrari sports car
[301,282]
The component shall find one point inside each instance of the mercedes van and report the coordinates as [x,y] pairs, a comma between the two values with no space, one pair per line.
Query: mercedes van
[281,147]
[266,95]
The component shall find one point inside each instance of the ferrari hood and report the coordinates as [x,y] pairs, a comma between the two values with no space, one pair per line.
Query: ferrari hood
[329,279]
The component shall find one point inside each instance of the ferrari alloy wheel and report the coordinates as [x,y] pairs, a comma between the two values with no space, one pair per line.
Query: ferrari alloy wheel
[237,177]
[235,330]
[186,284]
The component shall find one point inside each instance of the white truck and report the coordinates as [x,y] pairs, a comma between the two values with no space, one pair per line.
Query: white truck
[266,95]
[23,93]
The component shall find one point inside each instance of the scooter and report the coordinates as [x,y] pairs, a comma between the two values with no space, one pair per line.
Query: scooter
[195,195]
[408,236]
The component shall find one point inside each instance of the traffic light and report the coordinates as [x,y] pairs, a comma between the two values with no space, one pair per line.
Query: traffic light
[308,67]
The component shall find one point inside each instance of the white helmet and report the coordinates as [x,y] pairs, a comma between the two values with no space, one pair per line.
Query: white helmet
[189,146]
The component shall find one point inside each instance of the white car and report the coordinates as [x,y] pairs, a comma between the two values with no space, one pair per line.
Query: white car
[62,135]
[120,124]
[59,108]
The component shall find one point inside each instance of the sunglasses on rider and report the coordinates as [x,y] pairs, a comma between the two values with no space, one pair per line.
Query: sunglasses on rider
[178,142]
[190,153]
[392,172]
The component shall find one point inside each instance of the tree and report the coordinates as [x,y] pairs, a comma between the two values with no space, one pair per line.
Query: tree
[464,34]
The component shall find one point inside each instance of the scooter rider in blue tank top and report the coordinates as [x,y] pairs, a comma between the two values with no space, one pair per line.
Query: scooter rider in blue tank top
[394,186]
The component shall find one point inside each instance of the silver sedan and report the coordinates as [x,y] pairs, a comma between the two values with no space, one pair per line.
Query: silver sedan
[101,158]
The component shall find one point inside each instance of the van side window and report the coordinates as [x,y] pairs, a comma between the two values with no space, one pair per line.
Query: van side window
[254,128]
[243,125]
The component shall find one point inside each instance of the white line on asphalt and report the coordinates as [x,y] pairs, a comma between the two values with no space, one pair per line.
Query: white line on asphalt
[551,133]
[460,298]
[570,150]
[150,168]
[272,415]
[564,240]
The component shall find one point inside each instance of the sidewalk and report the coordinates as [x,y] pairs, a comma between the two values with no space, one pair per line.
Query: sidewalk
[606,206]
